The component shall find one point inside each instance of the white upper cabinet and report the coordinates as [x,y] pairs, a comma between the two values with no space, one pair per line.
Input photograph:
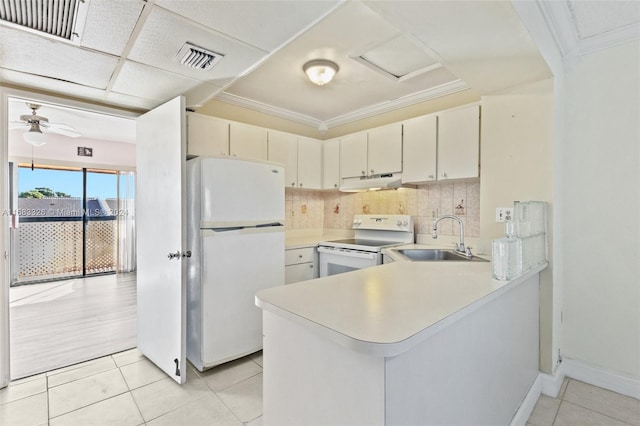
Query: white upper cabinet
[207,135]
[309,163]
[384,153]
[459,143]
[377,151]
[247,141]
[331,164]
[442,146]
[283,149]
[353,155]
[419,148]
[300,156]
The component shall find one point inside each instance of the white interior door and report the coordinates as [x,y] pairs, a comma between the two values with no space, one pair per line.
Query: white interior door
[4,250]
[161,230]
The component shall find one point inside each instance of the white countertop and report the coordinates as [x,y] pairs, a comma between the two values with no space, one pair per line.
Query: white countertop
[387,309]
[311,238]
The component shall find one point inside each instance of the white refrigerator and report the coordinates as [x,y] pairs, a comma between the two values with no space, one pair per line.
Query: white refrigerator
[235,217]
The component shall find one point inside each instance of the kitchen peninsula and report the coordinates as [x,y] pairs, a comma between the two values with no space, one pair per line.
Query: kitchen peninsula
[401,343]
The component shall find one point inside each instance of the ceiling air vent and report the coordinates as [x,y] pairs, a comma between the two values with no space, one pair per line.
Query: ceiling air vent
[198,58]
[56,18]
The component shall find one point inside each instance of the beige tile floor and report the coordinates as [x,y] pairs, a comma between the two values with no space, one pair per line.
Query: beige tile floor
[581,404]
[126,389]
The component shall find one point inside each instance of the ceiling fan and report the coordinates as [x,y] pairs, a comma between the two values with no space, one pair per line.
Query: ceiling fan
[36,123]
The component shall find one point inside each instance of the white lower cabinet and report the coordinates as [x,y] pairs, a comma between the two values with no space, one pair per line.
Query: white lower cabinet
[300,265]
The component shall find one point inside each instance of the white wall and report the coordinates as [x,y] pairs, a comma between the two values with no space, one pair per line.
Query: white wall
[601,218]
[62,150]
[517,164]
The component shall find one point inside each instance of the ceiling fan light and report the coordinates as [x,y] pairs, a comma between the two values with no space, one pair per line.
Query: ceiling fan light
[320,71]
[35,136]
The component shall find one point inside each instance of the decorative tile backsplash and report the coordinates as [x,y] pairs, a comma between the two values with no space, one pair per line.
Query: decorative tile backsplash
[315,209]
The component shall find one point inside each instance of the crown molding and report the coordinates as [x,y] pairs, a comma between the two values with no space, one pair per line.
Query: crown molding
[268,109]
[435,92]
[558,17]
[405,101]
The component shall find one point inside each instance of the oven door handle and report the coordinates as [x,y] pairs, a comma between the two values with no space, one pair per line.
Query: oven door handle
[348,253]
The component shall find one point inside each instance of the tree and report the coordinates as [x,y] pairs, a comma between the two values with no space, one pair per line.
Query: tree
[42,192]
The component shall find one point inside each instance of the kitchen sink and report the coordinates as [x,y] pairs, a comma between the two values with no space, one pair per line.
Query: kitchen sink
[436,255]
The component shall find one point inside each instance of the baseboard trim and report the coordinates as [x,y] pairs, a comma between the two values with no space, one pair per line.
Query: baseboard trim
[598,377]
[550,384]
[528,404]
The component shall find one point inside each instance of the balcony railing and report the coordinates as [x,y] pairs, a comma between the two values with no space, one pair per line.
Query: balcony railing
[51,247]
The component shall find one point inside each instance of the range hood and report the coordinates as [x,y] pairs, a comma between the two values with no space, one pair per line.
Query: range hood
[371,183]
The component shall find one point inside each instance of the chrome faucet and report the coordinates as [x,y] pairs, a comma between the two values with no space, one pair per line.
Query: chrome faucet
[459,247]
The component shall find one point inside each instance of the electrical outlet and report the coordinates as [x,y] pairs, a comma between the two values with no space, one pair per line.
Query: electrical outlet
[503,213]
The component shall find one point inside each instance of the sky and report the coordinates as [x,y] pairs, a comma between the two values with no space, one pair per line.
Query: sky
[98,184]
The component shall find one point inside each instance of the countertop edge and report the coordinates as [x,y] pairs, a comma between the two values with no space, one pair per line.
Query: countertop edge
[396,348]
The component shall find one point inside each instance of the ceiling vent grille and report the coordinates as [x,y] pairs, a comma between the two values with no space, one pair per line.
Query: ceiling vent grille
[197,58]
[55,18]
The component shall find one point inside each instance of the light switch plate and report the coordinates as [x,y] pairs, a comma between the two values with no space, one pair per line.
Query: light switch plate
[503,213]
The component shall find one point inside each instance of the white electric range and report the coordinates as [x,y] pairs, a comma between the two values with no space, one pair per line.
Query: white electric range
[372,234]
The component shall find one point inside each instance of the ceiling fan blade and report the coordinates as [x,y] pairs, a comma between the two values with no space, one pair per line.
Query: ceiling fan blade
[17,125]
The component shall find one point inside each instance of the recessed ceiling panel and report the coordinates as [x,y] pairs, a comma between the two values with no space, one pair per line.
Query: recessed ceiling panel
[398,56]
[164,34]
[348,31]
[264,24]
[109,24]
[483,42]
[54,59]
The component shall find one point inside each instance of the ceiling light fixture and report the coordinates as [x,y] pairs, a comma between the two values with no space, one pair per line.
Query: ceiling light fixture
[320,71]
[35,136]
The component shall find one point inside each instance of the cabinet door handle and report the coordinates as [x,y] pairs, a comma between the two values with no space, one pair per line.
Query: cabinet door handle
[293,184]
[444,175]
[371,171]
[431,177]
[335,185]
[300,184]
[300,256]
[363,173]
[311,266]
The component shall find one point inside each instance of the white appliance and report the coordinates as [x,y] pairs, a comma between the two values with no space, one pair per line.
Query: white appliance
[372,234]
[235,231]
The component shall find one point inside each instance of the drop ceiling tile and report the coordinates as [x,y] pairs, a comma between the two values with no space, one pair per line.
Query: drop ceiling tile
[164,33]
[109,24]
[264,24]
[65,88]
[592,18]
[151,83]
[54,59]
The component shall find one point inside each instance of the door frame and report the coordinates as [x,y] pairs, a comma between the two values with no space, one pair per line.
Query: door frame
[5,218]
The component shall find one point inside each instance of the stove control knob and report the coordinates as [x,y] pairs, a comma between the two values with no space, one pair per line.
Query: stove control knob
[405,222]
[399,222]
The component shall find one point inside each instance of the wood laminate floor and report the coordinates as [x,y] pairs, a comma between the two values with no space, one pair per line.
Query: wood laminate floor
[61,323]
